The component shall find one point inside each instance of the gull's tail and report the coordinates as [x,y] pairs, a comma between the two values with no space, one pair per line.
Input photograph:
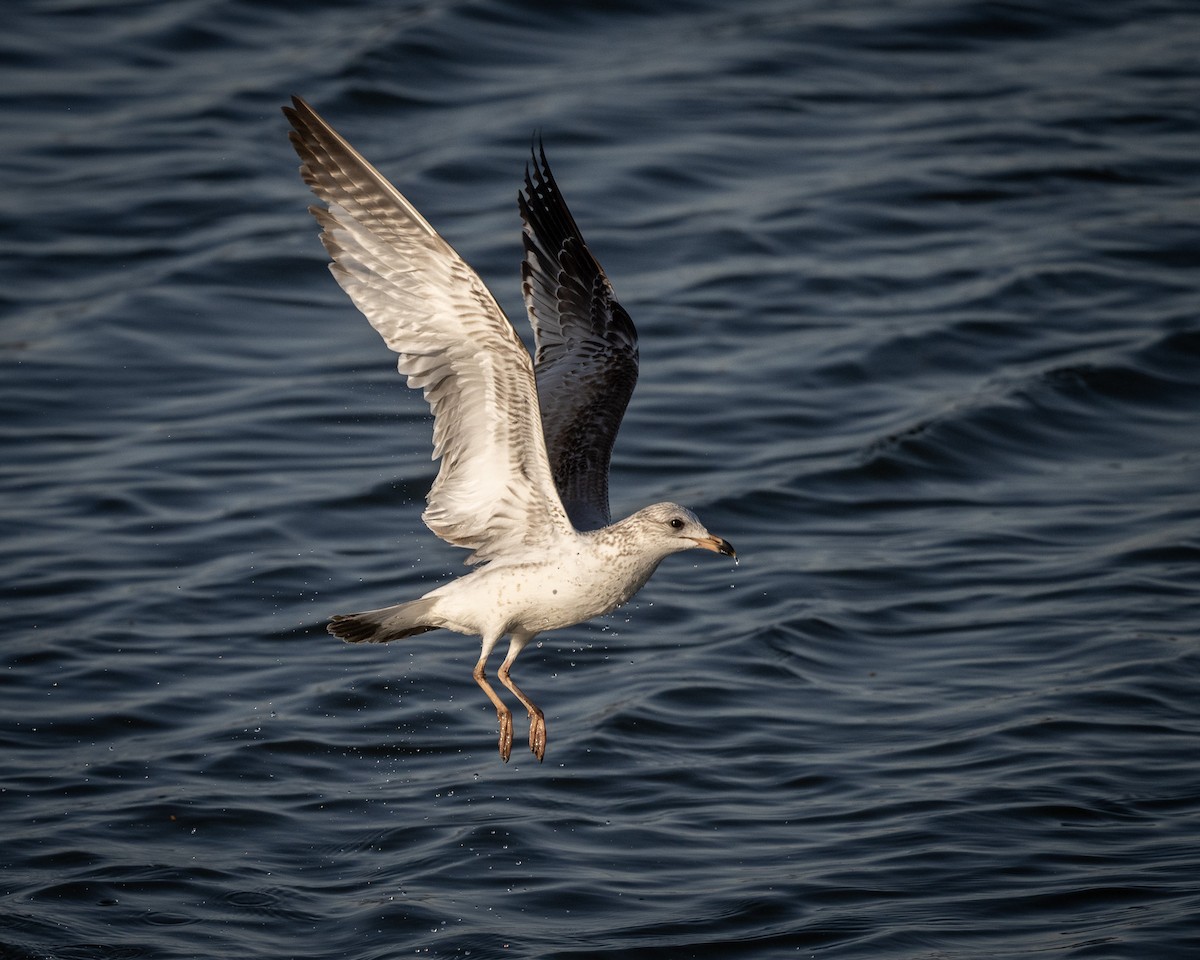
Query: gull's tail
[389,623]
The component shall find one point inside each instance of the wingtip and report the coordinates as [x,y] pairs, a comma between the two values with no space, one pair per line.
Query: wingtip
[537,153]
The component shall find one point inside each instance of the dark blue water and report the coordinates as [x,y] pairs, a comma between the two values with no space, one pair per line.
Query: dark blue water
[917,287]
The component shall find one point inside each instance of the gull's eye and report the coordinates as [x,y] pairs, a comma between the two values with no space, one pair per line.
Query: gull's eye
[676,523]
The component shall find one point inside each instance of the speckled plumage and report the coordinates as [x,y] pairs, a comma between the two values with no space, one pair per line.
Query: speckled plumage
[523,484]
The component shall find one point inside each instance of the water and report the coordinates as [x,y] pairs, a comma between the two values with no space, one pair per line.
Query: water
[917,293]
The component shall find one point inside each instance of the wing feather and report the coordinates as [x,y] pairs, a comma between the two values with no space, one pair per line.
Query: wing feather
[494,491]
[587,353]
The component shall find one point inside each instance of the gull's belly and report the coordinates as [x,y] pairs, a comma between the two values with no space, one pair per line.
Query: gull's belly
[533,597]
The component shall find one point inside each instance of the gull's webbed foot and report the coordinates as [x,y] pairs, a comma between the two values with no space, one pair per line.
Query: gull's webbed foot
[537,734]
[506,734]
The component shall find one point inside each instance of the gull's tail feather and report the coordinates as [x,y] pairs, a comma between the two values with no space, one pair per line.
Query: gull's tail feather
[388,623]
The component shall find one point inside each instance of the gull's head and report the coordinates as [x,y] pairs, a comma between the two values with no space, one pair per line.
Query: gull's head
[675,528]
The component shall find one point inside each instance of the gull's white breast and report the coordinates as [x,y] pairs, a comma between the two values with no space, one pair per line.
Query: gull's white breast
[586,579]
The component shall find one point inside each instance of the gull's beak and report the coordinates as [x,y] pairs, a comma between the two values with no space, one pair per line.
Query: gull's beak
[717,545]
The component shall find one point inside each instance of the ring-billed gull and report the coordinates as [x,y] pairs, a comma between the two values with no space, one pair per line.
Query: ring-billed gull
[524,446]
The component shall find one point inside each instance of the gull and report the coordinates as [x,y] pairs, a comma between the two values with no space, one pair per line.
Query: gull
[524,443]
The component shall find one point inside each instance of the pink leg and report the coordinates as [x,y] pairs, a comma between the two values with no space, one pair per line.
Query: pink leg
[502,712]
[537,720]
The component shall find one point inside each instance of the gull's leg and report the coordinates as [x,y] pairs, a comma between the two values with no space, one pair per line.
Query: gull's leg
[503,714]
[537,721]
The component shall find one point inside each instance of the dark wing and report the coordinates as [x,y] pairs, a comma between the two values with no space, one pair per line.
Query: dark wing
[587,354]
[494,492]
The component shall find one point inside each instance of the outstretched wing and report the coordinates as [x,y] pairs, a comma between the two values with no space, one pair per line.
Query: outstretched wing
[494,492]
[587,354]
